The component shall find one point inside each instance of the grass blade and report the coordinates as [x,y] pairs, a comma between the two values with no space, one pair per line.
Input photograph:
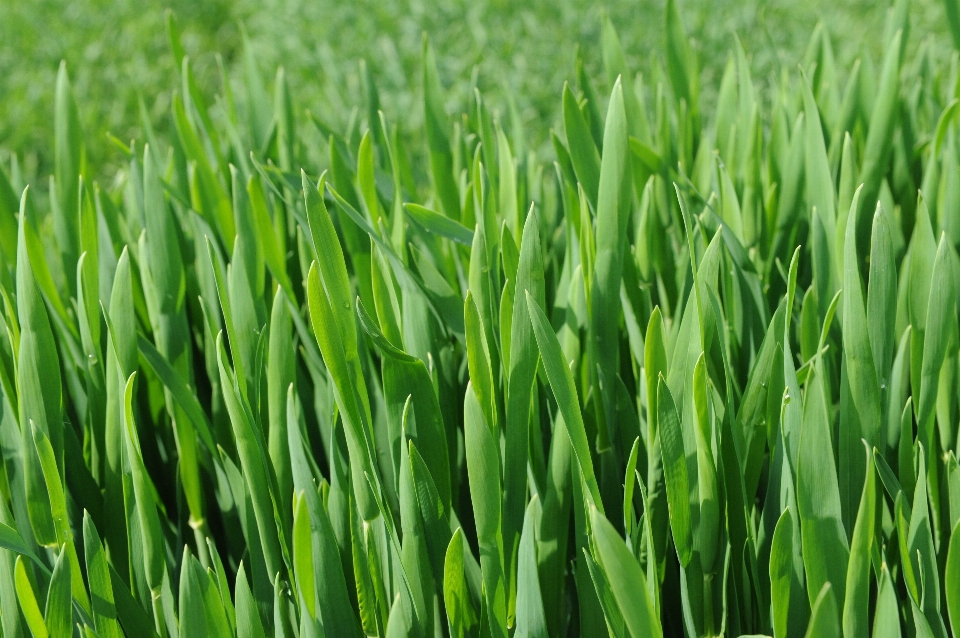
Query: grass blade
[565,393]
[675,472]
[625,578]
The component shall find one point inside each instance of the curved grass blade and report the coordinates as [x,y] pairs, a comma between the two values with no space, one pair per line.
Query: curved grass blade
[440,224]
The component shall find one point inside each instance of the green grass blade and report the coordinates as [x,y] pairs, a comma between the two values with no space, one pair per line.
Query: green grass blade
[133,619]
[825,546]
[857,593]
[941,313]
[281,373]
[921,553]
[952,579]
[57,502]
[615,65]
[883,118]
[624,577]
[208,195]
[186,398]
[478,361]
[510,209]
[861,374]
[583,152]
[730,211]
[101,589]
[331,341]
[57,614]
[675,472]
[613,201]
[252,459]
[565,393]
[435,517]
[439,224]
[782,577]
[882,301]
[69,163]
[483,469]
[192,619]
[824,620]
[681,65]
[28,601]
[521,388]
[9,205]
[461,616]
[886,619]
[405,376]
[10,539]
[266,234]
[531,621]
[164,258]
[249,624]
[146,509]
[303,556]
[334,604]
[438,144]
[413,554]
[708,529]
[38,383]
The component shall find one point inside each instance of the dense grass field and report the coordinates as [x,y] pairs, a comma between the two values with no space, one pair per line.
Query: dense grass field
[119,51]
[491,320]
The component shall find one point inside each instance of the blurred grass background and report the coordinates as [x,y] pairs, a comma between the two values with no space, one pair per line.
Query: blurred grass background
[118,49]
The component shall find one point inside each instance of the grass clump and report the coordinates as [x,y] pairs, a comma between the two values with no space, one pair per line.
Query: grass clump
[695,373]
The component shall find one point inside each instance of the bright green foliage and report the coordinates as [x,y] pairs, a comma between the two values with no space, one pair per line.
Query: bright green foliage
[699,377]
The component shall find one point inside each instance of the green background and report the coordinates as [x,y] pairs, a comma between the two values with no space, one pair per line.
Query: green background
[117,49]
